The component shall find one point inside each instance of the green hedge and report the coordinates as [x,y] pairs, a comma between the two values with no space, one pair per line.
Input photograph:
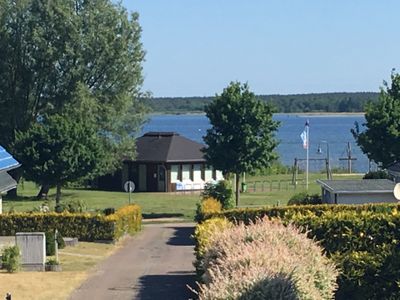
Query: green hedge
[250,214]
[85,227]
[364,240]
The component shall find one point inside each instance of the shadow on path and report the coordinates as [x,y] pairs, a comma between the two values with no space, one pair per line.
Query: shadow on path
[161,215]
[182,236]
[167,287]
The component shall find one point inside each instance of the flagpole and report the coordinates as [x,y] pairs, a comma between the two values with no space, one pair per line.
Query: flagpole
[308,146]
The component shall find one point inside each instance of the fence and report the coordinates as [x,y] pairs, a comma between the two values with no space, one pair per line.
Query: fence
[274,185]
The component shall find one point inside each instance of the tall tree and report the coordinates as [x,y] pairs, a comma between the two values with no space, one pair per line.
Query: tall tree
[380,141]
[242,136]
[60,148]
[51,49]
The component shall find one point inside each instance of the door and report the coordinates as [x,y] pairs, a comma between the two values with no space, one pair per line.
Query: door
[161,178]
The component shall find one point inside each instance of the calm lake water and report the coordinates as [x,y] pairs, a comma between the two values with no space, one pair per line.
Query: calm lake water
[331,129]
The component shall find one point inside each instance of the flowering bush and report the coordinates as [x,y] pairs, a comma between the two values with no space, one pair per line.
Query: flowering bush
[202,235]
[207,206]
[265,260]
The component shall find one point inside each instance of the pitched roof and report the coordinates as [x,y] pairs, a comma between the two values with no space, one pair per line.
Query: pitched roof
[358,186]
[394,168]
[6,182]
[7,162]
[167,147]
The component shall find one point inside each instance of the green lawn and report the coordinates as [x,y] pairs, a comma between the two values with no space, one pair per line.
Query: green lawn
[163,204]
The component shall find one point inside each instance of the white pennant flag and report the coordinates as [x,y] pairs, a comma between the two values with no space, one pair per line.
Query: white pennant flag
[304,136]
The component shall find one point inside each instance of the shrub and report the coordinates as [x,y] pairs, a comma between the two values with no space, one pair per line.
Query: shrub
[251,214]
[362,239]
[50,242]
[126,220]
[202,235]
[109,211]
[83,226]
[377,175]
[265,260]
[72,206]
[52,262]
[11,259]
[305,199]
[207,206]
[222,191]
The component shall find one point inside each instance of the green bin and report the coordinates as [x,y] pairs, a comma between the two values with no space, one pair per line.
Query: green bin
[244,187]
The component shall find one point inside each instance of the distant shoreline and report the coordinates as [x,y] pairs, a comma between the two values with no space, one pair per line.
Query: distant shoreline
[302,114]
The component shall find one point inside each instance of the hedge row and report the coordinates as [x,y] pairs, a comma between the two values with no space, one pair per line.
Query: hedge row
[251,214]
[363,240]
[264,260]
[84,226]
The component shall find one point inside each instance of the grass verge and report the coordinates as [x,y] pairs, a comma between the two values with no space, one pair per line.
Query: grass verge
[167,205]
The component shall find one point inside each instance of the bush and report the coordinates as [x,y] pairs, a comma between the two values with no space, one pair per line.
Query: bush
[50,243]
[305,199]
[207,206]
[265,260]
[72,206]
[362,239]
[202,235]
[11,259]
[109,211]
[377,175]
[221,191]
[251,214]
[275,168]
[52,262]
[85,227]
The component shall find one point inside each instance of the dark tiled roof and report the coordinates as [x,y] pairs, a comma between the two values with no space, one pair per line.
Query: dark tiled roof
[394,167]
[167,147]
[358,186]
[6,182]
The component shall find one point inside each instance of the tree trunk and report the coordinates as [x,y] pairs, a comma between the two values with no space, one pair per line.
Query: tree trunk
[58,194]
[237,188]
[44,190]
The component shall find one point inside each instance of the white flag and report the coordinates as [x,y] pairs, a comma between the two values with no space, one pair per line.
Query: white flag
[304,136]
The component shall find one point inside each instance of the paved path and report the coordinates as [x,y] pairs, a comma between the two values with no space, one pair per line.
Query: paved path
[155,264]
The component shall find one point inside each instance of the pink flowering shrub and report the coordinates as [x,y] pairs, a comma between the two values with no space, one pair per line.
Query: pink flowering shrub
[265,260]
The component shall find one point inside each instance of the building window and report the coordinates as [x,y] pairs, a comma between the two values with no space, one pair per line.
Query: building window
[186,172]
[174,173]
[197,173]
[208,174]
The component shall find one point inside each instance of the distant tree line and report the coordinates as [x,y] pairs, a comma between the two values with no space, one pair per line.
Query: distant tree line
[318,102]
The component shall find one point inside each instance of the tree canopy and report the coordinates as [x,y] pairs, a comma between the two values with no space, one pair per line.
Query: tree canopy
[242,136]
[60,148]
[380,141]
[52,51]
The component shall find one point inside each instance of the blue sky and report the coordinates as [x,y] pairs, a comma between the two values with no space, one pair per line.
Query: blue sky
[195,48]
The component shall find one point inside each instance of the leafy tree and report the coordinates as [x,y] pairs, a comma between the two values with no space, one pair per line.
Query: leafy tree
[241,138]
[52,50]
[58,149]
[380,141]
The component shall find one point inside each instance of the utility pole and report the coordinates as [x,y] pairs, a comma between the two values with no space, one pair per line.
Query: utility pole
[349,158]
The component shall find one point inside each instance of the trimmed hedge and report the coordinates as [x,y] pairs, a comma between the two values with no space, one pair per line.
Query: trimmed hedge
[84,226]
[251,214]
[364,241]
